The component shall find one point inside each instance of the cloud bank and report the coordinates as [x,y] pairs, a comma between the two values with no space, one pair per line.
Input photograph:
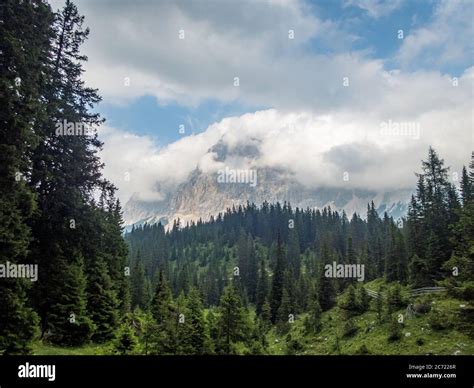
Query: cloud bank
[380,149]
[327,103]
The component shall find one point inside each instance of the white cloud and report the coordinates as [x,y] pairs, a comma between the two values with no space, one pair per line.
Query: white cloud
[316,148]
[223,40]
[446,40]
[317,127]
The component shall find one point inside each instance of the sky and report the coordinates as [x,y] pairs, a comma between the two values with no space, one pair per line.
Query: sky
[318,87]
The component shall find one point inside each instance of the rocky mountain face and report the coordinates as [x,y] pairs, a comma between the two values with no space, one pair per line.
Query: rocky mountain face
[203,195]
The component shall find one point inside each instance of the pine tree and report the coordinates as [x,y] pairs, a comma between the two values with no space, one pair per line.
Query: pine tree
[242,252]
[294,252]
[148,329]
[374,249]
[137,280]
[252,271]
[419,274]
[147,293]
[289,284]
[466,187]
[266,313]
[115,250]
[463,229]
[183,326]
[401,252]
[437,212]
[65,174]
[262,288]
[349,302]
[394,298]
[462,259]
[232,319]
[396,257]
[102,302]
[350,255]
[213,325]
[284,312]
[164,313]
[199,334]
[277,280]
[192,332]
[326,292]
[258,342]
[379,305]
[394,330]
[68,321]
[313,323]
[363,299]
[392,259]
[25,35]
[126,341]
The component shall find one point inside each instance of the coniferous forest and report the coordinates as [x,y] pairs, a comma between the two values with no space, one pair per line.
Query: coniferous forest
[253,280]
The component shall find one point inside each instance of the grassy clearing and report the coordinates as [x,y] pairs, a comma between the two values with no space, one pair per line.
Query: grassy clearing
[417,335]
[42,349]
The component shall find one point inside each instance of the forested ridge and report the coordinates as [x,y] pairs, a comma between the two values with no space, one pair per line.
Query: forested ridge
[268,262]
[249,281]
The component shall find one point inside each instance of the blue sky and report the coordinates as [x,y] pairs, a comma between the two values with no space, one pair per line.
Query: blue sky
[374,31]
[147,116]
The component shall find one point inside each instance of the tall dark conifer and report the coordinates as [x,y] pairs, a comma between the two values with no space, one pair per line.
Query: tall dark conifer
[277,279]
[325,287]
[262,289]
[65,174]
[24,45]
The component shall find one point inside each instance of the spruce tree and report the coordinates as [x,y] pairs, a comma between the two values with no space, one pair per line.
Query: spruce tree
[379,305]
[266,313]
[419,274]
[102,302]
[262,288]
[137,280]
[349,303]
[277,280]
[392,258]
[66,174]
[294,252]
[183,326]
[363,299]
[252,271]
[394,298]
[164,313]
[284,312]
[24,45]
[325,287]
[68,321]
[115,249]
[198,336]
[466,187]
[231,320]
[437,212]
[313,323]
[126,340]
